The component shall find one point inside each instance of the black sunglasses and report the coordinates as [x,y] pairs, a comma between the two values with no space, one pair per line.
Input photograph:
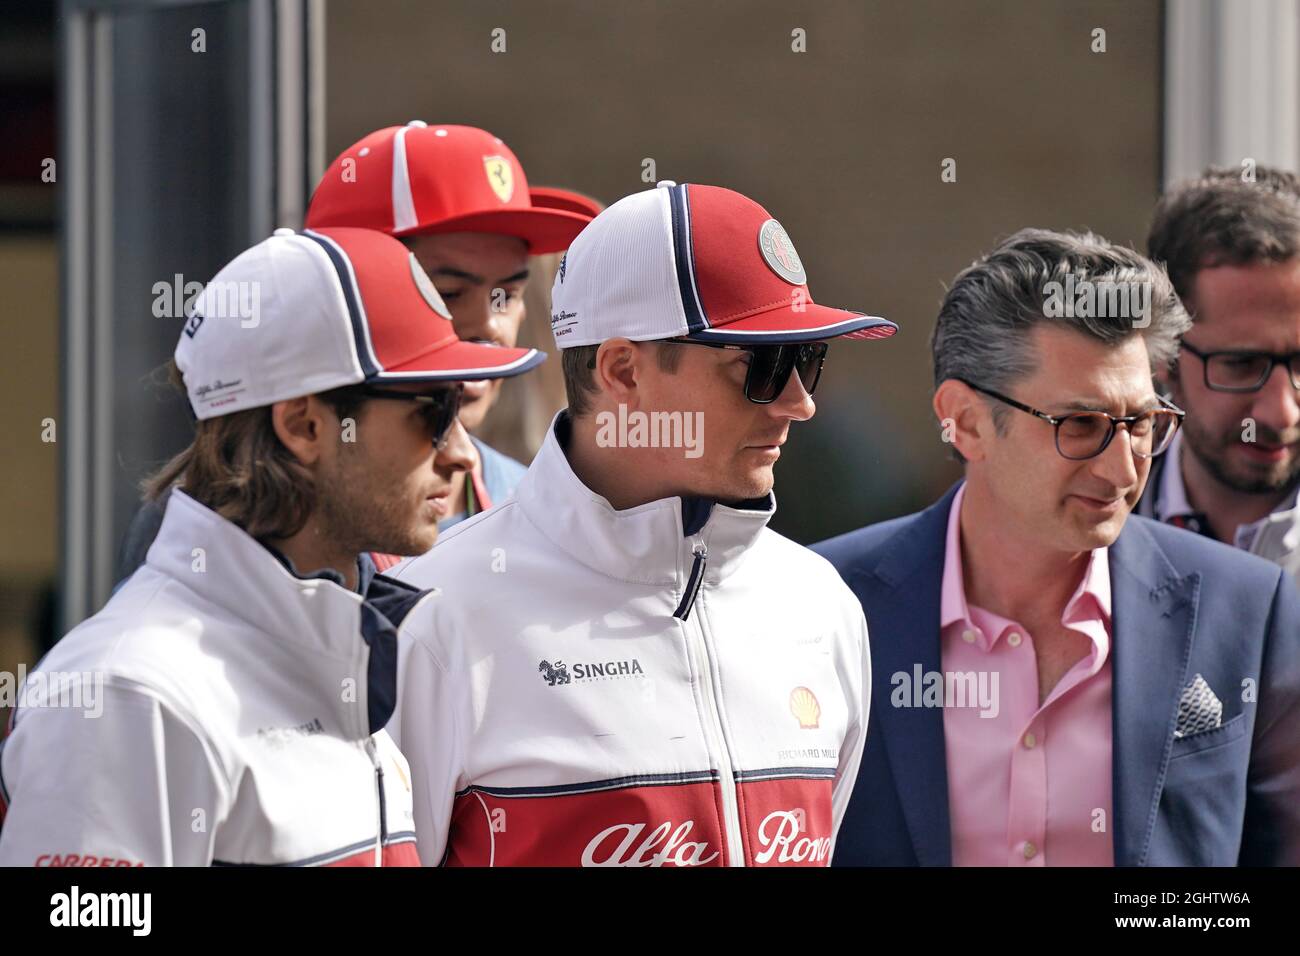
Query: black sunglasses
[1084,435]
[439,408]
[770,366]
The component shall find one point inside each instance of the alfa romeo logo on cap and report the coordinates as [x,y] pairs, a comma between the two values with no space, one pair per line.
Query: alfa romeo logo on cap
[425,285]
[778,253]
[500,176]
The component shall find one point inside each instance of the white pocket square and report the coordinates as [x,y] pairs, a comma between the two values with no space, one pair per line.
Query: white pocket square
[1198,709]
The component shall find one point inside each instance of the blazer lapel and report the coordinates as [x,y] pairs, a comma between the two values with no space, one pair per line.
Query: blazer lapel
[901,598]
[1153,620]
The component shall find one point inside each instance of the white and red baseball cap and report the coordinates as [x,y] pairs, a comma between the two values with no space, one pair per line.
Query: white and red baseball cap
[692,261]
[302,313]
[414,179]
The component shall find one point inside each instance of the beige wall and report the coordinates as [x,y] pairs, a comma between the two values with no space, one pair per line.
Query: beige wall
[843,144]
[29,478]
[29,392]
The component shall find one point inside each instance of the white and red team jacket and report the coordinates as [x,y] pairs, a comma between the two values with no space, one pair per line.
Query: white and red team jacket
[669,685]
[218,710]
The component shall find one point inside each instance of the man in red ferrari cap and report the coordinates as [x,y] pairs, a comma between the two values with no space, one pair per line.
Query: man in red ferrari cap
[458,198]
[228,704]
[651,676]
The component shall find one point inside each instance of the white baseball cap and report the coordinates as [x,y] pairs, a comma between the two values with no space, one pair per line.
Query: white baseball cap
[693,261]
[304,313]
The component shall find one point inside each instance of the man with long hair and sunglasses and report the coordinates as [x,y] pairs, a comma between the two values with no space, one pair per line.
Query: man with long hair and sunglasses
[1058,682]
[1232,251]
[636,671]
[228,704]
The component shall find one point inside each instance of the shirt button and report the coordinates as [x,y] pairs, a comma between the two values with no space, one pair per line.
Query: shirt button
[1014,639]
[1031,851]
[1030,741]
[968,636]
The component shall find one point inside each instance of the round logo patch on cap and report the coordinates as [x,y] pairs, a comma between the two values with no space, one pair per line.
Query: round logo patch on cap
[425,285]
[778,253]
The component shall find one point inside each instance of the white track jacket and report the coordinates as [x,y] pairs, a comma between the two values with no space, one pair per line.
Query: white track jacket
[669,685]
[218,710]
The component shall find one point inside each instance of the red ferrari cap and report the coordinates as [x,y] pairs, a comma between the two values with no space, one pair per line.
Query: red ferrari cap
[414,179]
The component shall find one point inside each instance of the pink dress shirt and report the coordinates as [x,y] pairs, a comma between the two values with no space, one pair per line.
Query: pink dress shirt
[1027,785]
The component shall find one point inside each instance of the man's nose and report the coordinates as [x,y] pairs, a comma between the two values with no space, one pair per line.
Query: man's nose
[474,317]
[1276,404]
[794,402]
[457,452]
[1117,465]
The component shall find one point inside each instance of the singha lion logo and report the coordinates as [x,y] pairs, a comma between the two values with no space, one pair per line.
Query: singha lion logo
[556,673]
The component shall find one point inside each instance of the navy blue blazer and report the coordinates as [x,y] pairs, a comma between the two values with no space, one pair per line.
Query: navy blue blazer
[1181,604]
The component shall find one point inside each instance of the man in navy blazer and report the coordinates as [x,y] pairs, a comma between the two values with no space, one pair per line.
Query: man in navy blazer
[1145,705]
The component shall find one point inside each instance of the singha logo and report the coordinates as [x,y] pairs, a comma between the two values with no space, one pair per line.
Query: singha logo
[556,673]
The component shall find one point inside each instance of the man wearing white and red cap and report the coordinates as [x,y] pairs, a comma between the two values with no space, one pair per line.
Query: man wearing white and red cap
[458,198]
[227,705]
[635,670]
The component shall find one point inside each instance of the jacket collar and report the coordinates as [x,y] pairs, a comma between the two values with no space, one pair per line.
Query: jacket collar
[641,545]
[1155,618]
[903,611]
[316,614]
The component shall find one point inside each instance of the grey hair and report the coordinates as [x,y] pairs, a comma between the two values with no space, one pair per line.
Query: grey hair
[982,333]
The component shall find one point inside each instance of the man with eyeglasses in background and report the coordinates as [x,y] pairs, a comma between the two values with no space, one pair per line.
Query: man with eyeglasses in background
[1232,251]
[1055,681]
[635,670]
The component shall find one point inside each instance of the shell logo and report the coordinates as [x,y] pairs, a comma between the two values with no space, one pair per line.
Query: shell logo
[804,706]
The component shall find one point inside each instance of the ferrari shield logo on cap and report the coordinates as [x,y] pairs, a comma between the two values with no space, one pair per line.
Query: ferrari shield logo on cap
[500,176]
[425,285]
[778,253]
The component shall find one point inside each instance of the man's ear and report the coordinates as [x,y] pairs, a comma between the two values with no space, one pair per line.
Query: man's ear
[617,371]
[964,417]
[302,425]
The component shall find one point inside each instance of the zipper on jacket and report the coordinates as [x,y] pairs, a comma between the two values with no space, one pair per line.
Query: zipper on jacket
[693,582]
[727,776]
[379,790]
[699,648]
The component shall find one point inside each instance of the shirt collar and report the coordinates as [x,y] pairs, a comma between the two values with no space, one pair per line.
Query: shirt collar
[1091,597]
[366,570]
[1172,501]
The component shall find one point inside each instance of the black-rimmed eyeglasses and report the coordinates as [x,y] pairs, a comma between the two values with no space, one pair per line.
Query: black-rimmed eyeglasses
[1083,435]
[1240,371]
